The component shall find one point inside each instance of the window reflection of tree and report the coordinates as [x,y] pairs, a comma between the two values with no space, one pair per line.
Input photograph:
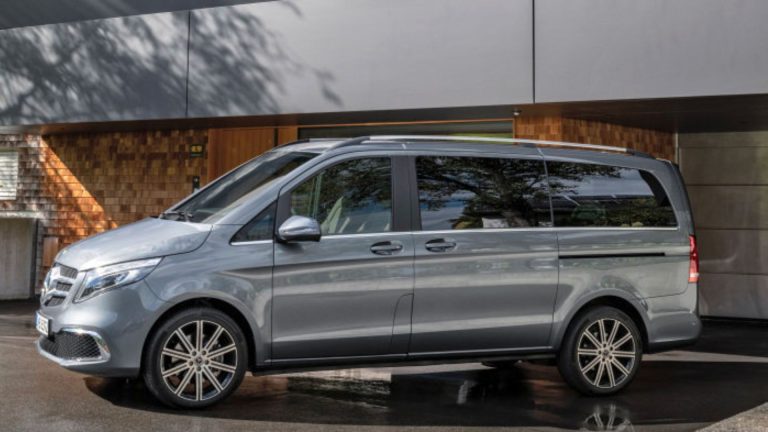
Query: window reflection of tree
[497,192]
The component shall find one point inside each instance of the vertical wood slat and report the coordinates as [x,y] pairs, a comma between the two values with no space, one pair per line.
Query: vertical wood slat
[228,148]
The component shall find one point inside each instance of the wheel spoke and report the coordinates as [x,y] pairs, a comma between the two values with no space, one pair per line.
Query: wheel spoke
[585,351]
[622,341]
[614,331]
[199,335]
[599,374]
[590,365]
[620,367]
[175,370]
[198,385]
[221,351]
[222,366]
[624,354]
[184,382]
[176,354]
[592,339]
[603,335]
[214,338]
[611,378]
[188,346]
[212,378]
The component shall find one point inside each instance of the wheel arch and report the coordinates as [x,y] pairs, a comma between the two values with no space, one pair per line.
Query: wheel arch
[629,307]
[233,311]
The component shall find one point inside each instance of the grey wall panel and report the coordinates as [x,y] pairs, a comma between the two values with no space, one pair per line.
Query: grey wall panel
[16,258]
[733,251]
[729,164]
[354,55]
[727,180]
[730,207]
[21,13]
[624,49]
[735,296]
[112,69]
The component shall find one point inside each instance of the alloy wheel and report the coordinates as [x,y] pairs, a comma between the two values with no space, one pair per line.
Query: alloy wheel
[198,360]
[606,353]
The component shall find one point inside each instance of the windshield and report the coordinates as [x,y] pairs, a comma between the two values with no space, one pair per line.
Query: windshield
[232,189]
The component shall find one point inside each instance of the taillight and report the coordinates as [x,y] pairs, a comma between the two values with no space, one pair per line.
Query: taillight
[693,266]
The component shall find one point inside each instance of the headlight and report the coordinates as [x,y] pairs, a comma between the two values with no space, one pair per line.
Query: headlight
[105,278]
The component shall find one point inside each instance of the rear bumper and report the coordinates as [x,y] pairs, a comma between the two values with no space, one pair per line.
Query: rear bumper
[673,321]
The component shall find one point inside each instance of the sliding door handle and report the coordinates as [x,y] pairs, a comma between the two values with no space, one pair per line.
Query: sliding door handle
[440,245]
[386,247]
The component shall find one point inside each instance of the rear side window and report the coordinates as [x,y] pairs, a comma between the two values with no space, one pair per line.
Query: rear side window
[458,193]
[587,195]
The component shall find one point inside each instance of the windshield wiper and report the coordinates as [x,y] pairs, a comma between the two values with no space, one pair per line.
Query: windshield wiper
[187,216]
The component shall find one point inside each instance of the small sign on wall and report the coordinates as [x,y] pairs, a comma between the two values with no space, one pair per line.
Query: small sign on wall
[196,150]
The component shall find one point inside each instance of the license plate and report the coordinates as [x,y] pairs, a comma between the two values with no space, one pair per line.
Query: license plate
[42,324]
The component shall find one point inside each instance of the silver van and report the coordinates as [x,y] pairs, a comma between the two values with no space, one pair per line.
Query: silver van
[390,249]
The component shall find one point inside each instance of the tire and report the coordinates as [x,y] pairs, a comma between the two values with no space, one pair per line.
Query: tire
[195,378]
[596,361]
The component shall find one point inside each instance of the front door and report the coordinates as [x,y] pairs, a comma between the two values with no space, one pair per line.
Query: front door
[349,294]
[486,259]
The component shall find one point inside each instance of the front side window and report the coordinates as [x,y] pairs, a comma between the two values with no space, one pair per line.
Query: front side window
[457,193]
[259,228]
[587,195]
[352,197]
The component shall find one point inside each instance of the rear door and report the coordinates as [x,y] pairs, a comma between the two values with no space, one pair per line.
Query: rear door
[486,257]
[348,295]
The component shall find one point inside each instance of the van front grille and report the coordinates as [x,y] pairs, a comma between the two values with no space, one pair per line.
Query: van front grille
[71,346]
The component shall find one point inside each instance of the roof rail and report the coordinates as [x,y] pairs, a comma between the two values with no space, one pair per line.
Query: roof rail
[519,141]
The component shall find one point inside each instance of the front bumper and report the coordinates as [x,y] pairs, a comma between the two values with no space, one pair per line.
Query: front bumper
[104,335]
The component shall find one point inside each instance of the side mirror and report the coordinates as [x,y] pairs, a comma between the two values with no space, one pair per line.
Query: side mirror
[298,229]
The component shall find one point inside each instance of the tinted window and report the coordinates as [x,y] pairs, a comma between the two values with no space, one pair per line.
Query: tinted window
[458,193]
[598,195]
[352,197]
[259,228]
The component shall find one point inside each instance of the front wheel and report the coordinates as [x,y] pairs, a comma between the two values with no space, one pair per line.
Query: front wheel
[195,358]
[601,351]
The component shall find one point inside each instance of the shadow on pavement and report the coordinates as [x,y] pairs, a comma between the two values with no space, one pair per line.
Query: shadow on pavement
[527,395]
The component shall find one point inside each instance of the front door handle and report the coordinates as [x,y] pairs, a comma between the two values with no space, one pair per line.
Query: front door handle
[440,245]
[386,247]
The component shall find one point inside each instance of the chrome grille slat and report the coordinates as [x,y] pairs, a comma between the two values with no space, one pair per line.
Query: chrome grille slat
[59,284]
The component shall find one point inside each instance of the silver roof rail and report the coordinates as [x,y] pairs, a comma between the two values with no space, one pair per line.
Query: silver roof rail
[519,141]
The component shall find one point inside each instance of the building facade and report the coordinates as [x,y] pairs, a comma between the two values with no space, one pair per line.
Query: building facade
[111,111]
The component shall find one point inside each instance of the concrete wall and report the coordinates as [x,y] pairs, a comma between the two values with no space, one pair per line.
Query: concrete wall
[354,55]
[727,178]
[630,49]
[113,69]
[309,56]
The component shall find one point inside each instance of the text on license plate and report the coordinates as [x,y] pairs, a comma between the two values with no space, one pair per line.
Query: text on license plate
[41,323]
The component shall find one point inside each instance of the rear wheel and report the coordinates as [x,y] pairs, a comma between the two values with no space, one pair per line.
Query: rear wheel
[601,351]
[195,358]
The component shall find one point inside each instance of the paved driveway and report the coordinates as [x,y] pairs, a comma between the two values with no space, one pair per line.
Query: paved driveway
[726,373]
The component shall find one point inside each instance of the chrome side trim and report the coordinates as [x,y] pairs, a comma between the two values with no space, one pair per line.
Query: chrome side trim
[253,242]
[104,354]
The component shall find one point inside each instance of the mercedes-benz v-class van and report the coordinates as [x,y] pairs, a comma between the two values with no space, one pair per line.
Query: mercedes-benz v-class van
[350,252]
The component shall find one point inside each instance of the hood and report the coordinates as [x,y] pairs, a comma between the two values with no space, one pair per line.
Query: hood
[147,238]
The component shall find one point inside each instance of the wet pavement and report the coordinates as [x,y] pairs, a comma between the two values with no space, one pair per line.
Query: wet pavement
[726,373]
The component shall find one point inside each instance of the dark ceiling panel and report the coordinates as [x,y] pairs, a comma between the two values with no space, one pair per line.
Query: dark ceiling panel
[23,13]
